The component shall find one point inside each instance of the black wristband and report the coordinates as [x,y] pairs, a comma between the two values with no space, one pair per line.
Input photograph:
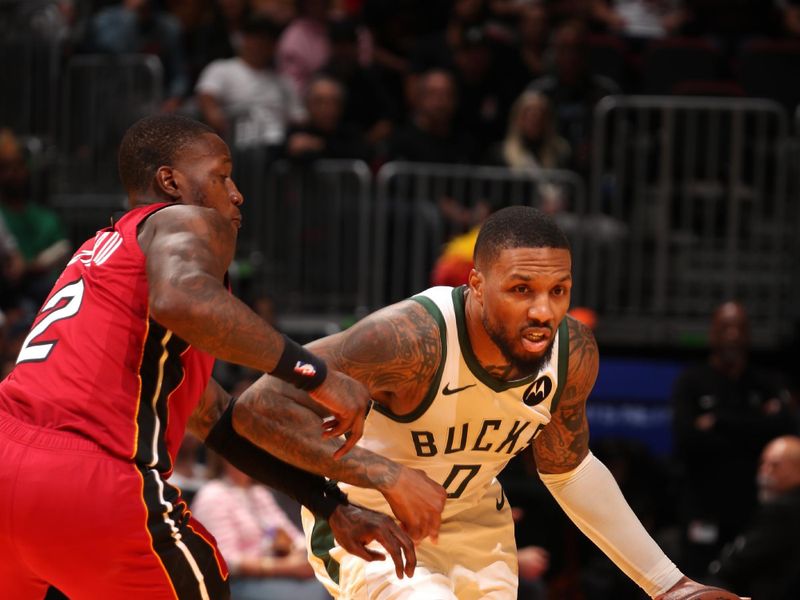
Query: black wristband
[316,493]
[299,367]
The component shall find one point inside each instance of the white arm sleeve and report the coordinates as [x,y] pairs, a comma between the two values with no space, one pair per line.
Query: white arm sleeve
[592,499]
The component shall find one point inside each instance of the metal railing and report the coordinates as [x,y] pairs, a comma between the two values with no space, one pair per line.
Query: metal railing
[102,95]
[306,232]
[410,228]
[701,185]
[29,80]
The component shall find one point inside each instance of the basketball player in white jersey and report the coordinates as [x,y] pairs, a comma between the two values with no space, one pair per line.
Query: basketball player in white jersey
[462,380]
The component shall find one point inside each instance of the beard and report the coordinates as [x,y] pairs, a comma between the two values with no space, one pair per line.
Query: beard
[522,363]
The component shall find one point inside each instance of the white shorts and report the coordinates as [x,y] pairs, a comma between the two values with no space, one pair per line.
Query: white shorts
[475,558]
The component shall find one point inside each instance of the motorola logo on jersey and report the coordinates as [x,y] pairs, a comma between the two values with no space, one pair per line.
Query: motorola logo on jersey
[538,391]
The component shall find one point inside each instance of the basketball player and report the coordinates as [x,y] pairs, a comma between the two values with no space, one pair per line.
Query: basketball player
[463,379]
[118,364]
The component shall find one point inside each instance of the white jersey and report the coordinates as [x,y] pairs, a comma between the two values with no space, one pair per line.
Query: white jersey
[470,424]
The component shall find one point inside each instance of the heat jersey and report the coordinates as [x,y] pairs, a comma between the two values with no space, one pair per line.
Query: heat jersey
[95,363]
[470,424]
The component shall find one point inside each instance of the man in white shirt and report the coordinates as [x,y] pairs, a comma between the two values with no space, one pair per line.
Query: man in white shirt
[243,98]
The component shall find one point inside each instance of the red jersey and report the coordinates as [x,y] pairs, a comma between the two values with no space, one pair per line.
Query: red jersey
[96,364]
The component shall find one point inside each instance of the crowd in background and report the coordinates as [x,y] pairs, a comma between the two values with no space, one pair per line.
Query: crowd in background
[497,82]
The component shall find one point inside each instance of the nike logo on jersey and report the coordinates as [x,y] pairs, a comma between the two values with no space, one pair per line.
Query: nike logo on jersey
[447,391]
[500,502]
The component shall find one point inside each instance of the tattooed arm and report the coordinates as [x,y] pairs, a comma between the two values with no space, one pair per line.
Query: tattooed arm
[355,527]
[564,443]
[585,488]
[395,353]
[188,250]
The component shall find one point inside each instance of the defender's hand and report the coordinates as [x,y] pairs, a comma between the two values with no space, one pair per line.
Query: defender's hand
[417,501]
[354,527]
[347,401]
[687,589]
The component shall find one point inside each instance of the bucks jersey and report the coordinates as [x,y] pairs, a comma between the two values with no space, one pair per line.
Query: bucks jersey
[470,424]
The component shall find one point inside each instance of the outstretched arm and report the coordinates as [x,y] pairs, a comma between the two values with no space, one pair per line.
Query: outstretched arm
[587,491]
[188,250]
[583,486]
[394,352]
[353,526]
[416,500]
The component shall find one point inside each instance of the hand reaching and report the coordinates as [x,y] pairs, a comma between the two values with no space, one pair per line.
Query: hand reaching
[347,401]
[354,527]
[417,501]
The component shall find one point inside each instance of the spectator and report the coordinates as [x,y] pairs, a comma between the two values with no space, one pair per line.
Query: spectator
[303,47]
[139,27]
[367,105]
[324,135]
[533,30]
[762,561]
[431,134]
[264,550]
[36,229]
[573,89]
[211,30]
[243,98]
[532,141]
[724,412]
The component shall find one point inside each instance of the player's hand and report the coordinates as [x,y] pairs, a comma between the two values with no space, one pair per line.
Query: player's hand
[417,501]
[354,527]
[686,588]
[347,401]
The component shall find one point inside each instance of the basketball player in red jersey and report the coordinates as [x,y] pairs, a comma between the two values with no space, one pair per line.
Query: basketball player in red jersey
[117,365]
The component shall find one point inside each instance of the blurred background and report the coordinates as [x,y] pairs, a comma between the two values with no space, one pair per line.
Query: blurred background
[372,137]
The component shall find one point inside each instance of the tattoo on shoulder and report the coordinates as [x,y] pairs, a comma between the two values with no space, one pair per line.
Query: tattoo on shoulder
[565,441]
[398,348]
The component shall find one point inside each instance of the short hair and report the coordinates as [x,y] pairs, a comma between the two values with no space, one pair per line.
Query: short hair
[516,227]
[153,142]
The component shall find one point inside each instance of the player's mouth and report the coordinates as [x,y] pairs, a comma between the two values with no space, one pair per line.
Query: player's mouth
[536,339]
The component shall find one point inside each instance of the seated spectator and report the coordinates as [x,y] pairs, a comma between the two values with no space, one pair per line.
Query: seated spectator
[573,90]
[367,105]
[430,135]
[304,47]
[324,135]
[532,141]
[243,98]
[725,411]
[37,230]
[139,27]
[762,560]
[263,549]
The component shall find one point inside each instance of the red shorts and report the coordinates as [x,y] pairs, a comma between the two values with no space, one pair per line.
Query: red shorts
[95,526]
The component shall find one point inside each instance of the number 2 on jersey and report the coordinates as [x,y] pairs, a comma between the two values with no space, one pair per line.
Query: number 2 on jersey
[39,351]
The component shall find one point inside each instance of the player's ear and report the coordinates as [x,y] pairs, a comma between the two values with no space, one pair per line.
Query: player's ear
[476,284]
[166,183]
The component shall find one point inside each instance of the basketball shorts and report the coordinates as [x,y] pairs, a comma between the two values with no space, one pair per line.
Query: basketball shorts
[95,526]
[475,558]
